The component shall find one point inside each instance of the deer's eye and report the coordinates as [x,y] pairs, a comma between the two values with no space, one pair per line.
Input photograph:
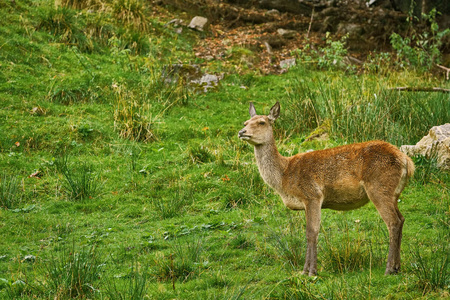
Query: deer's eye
[262,123]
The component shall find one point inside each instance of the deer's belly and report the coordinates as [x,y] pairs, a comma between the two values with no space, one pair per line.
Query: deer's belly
[345,198]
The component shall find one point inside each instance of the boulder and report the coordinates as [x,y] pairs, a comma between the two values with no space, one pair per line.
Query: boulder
[287,63]
[435,144]
[286,33]
[198,23]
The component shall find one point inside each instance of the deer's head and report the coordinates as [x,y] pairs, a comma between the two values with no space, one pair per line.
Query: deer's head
[258,129]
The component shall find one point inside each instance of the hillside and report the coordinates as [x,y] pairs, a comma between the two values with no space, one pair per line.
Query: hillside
[121,178]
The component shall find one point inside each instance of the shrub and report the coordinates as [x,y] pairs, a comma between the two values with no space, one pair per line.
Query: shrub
[420,50]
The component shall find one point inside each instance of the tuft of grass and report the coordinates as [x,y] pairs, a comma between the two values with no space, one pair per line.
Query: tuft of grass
[289,244]
[9,191]
[349,250]
[432,270]
[133,119]
[426,169]
[67,27]
[72,273]
[133,285]
[80,183]
[131,13]
[184,261]
[174,204]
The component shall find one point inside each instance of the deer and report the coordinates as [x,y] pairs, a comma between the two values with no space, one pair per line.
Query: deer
[341,178]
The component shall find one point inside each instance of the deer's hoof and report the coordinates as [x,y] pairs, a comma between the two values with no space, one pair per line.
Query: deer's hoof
[392,271]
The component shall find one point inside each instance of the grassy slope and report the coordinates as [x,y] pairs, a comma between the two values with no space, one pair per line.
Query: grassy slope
[195,188]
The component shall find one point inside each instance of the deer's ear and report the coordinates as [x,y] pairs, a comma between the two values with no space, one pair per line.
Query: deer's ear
[274,112]
[252,110]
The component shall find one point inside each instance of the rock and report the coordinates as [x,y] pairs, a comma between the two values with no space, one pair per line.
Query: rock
[173,73]
[198,23]
[292,6]
[273,12]
[436,143]
[207,82]
[287,63]
[353,30]
[287,34]
[191,75]
[29,258]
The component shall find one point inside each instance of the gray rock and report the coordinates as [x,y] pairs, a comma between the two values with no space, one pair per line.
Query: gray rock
[286,33]
[287,63]
[198,23]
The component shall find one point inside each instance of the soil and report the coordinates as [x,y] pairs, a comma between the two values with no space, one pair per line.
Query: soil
[245,26]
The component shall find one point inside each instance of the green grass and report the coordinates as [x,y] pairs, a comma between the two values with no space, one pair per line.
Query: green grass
[159,199]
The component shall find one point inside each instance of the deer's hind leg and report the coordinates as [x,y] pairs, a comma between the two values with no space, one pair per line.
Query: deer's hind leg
[386,204]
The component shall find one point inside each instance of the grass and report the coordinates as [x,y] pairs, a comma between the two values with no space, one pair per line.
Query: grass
[161,198]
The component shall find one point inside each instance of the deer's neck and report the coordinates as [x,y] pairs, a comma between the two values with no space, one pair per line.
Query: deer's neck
[271,164]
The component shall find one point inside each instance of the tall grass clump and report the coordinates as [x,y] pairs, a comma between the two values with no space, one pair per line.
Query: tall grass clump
[289,244]
[72,273]
[359,110]
[350,250]
[131,13]
[67,27]
[133,285]
[177,196]
[80,183]
[134,119]
[426,169]
[184,262]
[432,270]
[9,191]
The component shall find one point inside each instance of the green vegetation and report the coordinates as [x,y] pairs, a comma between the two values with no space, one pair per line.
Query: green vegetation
[118,185]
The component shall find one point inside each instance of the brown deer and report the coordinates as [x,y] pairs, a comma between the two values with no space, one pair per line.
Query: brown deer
[341,178]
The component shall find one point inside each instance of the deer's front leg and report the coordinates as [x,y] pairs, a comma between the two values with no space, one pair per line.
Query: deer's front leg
[312,214]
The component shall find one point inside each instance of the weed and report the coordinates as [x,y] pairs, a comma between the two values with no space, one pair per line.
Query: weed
[9,191]
[330,57]
[361,112]
[200,154]
[294,287]
[79,183]
[73,90]
[241,242]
